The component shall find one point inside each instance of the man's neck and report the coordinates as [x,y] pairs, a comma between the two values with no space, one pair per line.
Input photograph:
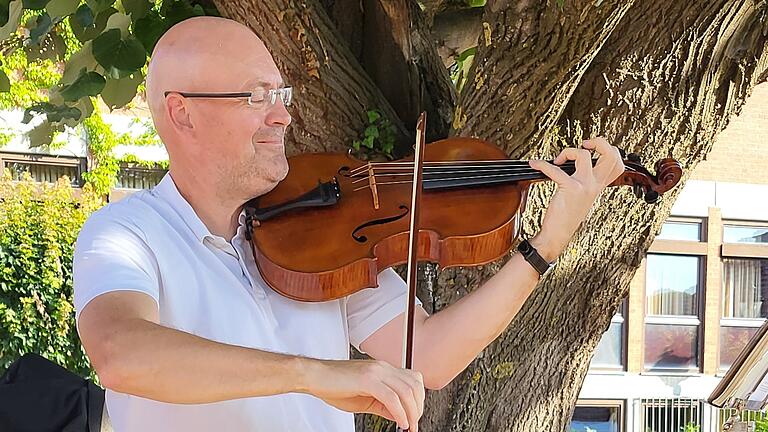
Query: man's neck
[217,214]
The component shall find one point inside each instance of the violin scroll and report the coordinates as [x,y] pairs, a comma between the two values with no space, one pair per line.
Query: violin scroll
[646,185]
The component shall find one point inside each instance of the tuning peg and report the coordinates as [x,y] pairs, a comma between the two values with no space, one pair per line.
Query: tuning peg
[652,197]
[637,188]
[634,157]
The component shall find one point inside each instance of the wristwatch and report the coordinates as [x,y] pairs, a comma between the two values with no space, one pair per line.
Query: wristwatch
[531,255]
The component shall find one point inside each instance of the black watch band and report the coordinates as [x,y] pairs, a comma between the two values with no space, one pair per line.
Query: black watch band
[532,256]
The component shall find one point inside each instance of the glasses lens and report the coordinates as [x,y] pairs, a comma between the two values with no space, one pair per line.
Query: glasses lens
[263,97]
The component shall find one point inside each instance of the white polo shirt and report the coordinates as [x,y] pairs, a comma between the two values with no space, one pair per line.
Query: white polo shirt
[153,242]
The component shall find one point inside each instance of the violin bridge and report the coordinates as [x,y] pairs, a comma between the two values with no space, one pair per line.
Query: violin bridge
[372,184]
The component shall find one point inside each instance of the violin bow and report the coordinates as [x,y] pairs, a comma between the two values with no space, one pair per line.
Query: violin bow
[413,243]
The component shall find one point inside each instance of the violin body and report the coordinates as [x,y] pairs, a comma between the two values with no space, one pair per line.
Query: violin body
[328,252]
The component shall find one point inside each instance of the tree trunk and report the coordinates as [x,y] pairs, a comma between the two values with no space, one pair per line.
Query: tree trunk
[657,96]
[542,75]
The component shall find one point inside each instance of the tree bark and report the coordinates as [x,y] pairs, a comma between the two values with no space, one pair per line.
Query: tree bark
[657,96]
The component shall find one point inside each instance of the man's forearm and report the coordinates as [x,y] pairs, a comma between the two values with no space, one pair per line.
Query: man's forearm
[168,365]
[450,339]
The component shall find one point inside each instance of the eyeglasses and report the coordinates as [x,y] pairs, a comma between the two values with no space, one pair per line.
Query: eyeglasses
[257,98]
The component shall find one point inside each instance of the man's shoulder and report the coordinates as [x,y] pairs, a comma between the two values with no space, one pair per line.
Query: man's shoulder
[136,212]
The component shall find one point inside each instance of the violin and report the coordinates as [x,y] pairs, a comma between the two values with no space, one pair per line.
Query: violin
[335,222]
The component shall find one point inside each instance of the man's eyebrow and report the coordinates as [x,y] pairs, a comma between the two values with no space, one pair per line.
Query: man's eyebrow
[262,83]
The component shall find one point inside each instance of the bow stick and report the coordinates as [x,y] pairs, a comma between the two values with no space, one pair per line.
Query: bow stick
[413,243]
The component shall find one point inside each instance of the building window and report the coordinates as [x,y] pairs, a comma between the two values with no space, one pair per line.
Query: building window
[744,288]
[745,234]
[597,416]
[671,415]
[689,231]
[672,312]
[609,354]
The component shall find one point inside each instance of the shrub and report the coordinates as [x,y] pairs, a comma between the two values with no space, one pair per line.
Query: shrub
[38,227]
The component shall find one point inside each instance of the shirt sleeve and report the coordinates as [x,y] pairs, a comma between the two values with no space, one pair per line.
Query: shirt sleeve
[370,309]
[111,256]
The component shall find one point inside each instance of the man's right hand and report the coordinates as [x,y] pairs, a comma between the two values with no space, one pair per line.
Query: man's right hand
[368,386]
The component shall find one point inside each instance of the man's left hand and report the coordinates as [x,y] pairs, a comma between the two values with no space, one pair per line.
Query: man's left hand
[575,194]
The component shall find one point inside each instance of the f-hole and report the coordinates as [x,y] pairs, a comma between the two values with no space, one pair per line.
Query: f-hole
[362,239]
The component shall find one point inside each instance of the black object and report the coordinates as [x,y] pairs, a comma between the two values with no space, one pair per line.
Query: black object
[37,395]
[532,256]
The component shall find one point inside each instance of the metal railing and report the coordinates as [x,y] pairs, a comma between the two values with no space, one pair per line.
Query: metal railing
[44,168]
[49,168]
[671,415]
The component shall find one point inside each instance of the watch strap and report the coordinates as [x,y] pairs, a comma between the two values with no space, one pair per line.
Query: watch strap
[533,257]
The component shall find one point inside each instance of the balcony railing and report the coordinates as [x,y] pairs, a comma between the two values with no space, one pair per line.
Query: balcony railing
[44,168]
[49,168]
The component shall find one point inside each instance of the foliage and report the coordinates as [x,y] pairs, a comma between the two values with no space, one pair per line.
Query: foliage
[378,138]
[38,227]
[102,44]
[460,68]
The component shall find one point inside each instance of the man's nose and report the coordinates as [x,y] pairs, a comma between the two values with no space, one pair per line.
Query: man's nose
[278,114]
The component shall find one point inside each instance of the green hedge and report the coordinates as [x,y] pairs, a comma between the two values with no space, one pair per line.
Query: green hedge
[38,228]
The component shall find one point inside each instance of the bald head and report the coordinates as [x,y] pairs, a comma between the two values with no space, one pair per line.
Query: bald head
[228,148]
[202,54]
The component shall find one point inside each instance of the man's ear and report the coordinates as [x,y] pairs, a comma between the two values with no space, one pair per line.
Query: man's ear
[178,113]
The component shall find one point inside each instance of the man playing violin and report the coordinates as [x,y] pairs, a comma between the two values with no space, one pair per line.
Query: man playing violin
[171,308]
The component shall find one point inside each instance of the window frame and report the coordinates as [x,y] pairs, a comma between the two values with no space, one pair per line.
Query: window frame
[619,317]
[621,404]
[738,251]
[692,248]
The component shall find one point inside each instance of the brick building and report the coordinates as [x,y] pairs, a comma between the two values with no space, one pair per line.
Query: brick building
[698,296]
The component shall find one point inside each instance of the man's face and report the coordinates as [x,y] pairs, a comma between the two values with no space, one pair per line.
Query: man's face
[244,144]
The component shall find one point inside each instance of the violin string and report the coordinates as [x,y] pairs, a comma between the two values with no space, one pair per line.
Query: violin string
[459,164]
[530,174]
[363,170]
[430,173]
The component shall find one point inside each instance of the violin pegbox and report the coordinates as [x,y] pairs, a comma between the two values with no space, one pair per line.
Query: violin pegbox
[646,185]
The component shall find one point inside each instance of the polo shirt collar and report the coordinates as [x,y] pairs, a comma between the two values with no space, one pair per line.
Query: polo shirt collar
[167,191]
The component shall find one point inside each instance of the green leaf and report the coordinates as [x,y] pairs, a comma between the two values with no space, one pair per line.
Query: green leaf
[137,9]
[85,107]
[466,54]
[149,29]
[373,116]
[372,131]
[97,6]
[41,135]
[52,113]
[356,144]
[119,57]
[476,3]
[119,21]
[85,33]
[82,59]
[39,27]
[52,47]
[84,16]
[368,142]
[87,84]
[119,92]
[61,8]
[14,18]
[5,83]
[35,4]
[181,10]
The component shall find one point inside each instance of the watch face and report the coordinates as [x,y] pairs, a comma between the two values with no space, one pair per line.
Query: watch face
[524,247]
